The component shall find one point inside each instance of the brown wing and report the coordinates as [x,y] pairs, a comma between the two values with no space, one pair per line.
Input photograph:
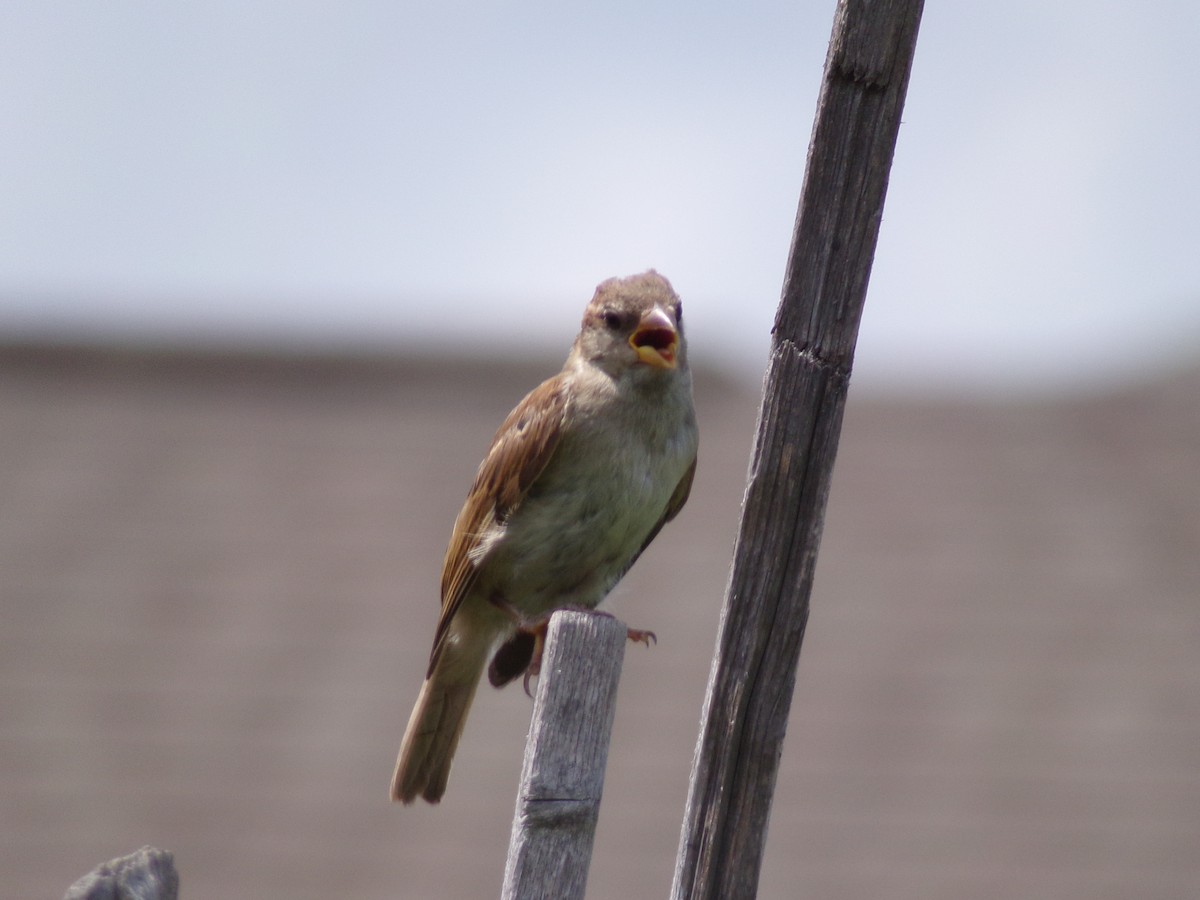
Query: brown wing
[519,452]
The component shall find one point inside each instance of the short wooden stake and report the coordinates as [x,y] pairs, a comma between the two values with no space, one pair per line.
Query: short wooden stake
[563,775]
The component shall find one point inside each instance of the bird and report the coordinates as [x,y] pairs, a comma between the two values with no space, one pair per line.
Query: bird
[578,480]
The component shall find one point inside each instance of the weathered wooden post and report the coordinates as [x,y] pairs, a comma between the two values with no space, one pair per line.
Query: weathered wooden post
[766,605]
[563,774]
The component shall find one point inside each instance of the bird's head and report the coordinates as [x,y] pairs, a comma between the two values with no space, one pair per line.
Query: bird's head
[634,324]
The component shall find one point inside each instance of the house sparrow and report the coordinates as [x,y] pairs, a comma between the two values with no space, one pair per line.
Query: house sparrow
[578,480]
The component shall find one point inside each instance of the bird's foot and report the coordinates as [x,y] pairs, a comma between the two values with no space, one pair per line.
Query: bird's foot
[542,627]
[522,653]
[534,669]
[637,635]
[641,637]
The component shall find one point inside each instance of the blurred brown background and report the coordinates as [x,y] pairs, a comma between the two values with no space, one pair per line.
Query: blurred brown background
[219,583]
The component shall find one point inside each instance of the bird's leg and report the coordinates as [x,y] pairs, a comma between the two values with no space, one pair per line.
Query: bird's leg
[542,626]
[641,637]
[522,653]
[534,669]
[636,635]
[498,600]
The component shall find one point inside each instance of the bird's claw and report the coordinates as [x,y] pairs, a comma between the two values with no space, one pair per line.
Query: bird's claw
[540,628]
[639,636]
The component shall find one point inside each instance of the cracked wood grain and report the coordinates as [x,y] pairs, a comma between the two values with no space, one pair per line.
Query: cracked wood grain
[749,692]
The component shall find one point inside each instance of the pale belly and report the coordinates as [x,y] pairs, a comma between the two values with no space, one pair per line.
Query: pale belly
[571,541]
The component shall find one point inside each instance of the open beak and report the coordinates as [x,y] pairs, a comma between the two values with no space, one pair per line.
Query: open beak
[656,340]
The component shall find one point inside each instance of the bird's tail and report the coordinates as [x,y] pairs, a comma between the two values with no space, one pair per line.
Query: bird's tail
[436,724]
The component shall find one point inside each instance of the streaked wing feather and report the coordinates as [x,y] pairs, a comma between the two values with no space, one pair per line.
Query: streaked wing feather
[522,447]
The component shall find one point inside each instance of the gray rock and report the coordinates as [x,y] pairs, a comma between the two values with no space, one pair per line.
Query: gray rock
[148,874]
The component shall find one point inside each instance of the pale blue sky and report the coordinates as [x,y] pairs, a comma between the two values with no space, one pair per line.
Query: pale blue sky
[383,172]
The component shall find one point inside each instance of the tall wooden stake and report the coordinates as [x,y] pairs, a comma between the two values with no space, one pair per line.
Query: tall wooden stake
[766,605]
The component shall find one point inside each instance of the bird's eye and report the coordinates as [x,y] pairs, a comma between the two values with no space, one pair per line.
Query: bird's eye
[612,320]
[679,312]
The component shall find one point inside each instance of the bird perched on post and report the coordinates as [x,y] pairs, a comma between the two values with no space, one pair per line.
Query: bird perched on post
[578,480]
